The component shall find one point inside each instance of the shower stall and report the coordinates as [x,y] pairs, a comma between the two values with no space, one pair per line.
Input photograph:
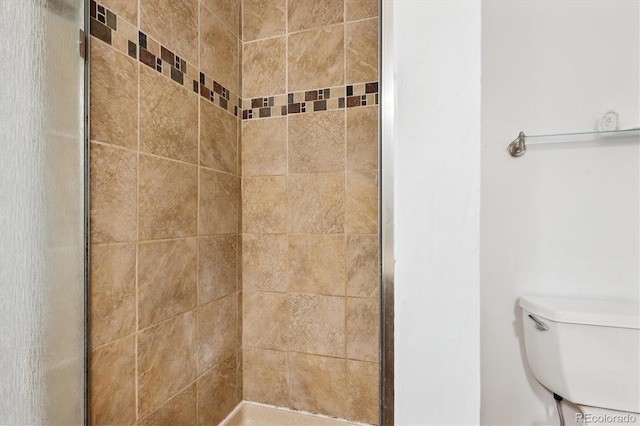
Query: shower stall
[190,211]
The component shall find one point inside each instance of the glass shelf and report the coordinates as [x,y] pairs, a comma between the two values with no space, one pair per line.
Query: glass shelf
[518,146]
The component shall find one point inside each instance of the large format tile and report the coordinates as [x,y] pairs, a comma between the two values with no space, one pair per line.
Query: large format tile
[114,96]
[305,14]
[218,203]
[363,274]
[361,210]
[179,410]
[361,9]
[316,203]
[168,118]
[228,11]
[316,59]
[317,142]
[363,325]
[113,383]
[218,139]
[263,19]
[264,262]
[217,267]
[264,146]
[264,67]
[217,332]
[219,53]
[217,394]
[362,51]
[362,391]
[166,280]
[264,204]
[317,264]
[168,199]
[266,378]
[317,384]
[317,324]
[362,138]
[266,320]
[166,361]
[113,194]
[172,23]
[112,292]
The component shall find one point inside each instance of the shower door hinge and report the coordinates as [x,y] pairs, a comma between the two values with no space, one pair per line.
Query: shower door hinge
[83,45]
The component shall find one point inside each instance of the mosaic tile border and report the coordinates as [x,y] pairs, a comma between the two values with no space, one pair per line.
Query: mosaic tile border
[328,99]
[128,39]
[125,37]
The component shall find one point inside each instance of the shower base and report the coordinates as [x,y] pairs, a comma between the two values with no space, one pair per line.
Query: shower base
[251,413]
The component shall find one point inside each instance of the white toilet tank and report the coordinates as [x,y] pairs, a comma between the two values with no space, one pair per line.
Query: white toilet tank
[590,351]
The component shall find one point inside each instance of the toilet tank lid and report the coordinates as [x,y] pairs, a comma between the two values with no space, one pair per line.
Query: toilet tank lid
[608,313]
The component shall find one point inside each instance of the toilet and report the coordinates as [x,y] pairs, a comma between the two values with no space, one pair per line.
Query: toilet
[588,352]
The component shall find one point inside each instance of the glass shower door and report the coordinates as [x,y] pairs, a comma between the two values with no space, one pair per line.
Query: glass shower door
[42,213]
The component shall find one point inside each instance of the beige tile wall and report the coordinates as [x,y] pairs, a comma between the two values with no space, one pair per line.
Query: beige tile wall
[309,205]
[201,245]
[165,302]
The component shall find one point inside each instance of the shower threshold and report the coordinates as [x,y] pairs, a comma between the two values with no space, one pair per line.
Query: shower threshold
[254,414]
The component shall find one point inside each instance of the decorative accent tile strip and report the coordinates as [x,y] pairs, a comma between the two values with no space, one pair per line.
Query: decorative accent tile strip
[125,37]
[326,99]
[128,39]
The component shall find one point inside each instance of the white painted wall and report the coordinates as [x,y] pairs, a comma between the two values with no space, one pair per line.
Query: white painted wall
[437,137]
[563,219]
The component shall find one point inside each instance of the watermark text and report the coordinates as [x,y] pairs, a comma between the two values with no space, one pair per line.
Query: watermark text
[606,418]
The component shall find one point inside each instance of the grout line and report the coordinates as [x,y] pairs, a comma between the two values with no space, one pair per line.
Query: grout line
[199,166]
[137,390]
[256,176]
[308,293]
[208,370]
[241,19]
[171,318]
[172,397]
[137,320]
[339,358]
[287,356]
[196,309]
[287,32]
[292,234]
[170,239]
[112,243]
[344,12]
[224,25]
[113,341]
[148,154]
[345,142]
